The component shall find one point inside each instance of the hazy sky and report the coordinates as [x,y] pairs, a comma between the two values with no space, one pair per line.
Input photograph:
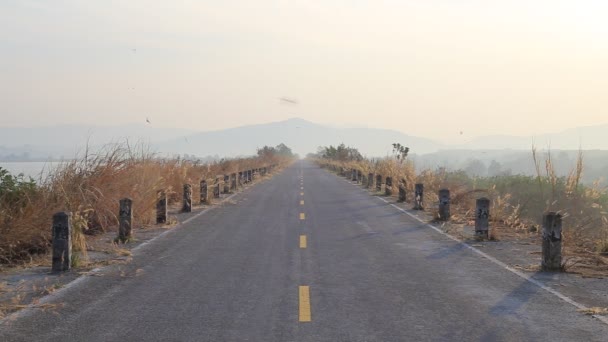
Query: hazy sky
[430,68]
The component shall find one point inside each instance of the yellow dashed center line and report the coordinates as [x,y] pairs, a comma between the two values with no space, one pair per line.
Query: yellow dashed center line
[302,241]
[304,304]
[301,202]
[301,188]
[301,194]
[302,216]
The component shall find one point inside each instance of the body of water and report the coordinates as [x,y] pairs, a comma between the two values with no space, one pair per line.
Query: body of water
[35,170]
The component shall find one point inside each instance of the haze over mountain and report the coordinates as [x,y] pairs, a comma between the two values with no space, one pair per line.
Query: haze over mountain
[588,138]
[301,135]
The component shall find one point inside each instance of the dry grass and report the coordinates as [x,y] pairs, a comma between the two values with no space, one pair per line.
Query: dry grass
[91,186]
[517,202]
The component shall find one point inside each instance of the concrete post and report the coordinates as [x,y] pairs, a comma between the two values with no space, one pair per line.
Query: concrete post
[125,220]
[233,181]
[187,205]
[353,175]
[359,176]
[161,207]
[216,188]
[204,192]
[249,176]
[226,184]
[388,188]
[444,204]
[62,241]
[379,182]
[253,174]
[419,196]
[402,184]
[240,178]
[482,217]
[370,180]
[552,242]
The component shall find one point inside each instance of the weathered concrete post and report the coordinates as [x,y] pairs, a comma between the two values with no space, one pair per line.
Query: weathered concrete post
[379,182]
[161,207]
[359,176]
[226,184]
[388,188]
[125,220]
[552,242]
[482,217]
[187,205]
[402,184]
[204,192]
[370,180]
[253,174]
[249,176]
[353,175]
[419,196]
[233,181]
[444,204]
[241,179]
[62,241]
[216,188]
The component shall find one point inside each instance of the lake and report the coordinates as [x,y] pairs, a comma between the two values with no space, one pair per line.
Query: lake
[30,169]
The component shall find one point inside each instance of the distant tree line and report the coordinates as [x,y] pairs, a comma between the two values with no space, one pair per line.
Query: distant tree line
[340,152]
[280,150]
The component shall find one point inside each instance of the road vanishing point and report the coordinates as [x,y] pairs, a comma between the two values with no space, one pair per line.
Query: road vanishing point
[304,256]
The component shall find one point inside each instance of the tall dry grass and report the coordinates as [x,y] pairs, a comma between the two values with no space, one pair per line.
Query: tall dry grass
[91,186]
[518,202]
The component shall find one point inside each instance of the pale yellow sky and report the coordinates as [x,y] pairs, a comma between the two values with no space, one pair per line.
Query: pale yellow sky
[429,68]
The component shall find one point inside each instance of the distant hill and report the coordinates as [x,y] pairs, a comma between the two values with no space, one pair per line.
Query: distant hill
[301,135]
[65,140]
[589,138]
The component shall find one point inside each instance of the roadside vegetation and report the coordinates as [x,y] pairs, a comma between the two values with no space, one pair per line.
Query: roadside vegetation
[517,201]
[91,185]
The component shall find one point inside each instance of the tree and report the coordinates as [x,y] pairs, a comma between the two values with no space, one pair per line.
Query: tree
[400,152]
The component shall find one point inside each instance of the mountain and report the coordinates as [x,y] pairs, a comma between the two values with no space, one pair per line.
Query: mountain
[22,143]
[587,137]
[301,135]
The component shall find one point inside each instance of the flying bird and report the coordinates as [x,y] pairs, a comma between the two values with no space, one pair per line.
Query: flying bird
[287,100]
[148,121]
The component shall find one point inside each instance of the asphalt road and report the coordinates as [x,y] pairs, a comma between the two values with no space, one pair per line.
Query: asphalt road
[368,272]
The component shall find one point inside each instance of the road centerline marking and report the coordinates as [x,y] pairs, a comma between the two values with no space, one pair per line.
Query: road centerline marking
[301,194]
[303,241]
[301,202]
[304,295]
[302,216]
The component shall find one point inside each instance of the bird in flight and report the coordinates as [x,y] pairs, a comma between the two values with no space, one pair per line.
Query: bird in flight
[148,121]
[287,100]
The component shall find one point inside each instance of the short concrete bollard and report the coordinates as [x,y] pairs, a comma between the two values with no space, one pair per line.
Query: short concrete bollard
[379,182]
[482,217]
[353,175]
[240,179]
[249,176]
[161,207]
[359,177]
[444,205]
[216,188]
[253,174]
[62,241]
[233,181]
[388,188]
[370,180]
[552,242]
[187,199]
[125,220]
[226,184]
[402,193]
[204,192]
[419,196]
